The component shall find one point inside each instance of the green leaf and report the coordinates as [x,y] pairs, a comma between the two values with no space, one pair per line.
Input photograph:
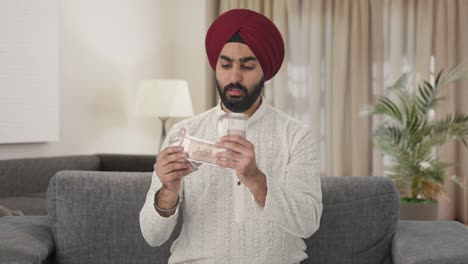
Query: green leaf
[437,80]
[386,107]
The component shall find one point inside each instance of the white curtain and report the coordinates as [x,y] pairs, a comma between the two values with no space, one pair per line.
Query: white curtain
[330,72]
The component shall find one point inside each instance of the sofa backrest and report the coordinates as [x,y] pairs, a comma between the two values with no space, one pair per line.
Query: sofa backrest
[126,162]
[359,219]
[32,175]
[95,219]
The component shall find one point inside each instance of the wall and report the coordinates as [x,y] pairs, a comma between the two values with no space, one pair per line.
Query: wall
[106,47]
[190,49]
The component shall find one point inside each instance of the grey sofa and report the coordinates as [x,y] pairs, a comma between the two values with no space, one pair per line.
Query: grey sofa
[93,218]
[23,182]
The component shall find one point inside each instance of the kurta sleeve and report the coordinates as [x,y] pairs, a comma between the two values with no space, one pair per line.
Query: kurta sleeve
[296,205]
[157,229]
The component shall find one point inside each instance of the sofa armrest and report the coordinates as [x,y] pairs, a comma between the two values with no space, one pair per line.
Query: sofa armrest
[418,242]
[26,239]
[123,162]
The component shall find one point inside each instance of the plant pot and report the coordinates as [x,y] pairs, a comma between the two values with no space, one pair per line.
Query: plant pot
[418,211]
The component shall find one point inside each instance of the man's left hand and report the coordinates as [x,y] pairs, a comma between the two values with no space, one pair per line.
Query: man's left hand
[240,156]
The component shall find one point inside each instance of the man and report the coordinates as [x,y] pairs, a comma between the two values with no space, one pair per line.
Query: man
[264,195]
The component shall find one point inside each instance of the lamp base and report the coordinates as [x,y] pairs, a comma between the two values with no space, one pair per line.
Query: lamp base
[163,132]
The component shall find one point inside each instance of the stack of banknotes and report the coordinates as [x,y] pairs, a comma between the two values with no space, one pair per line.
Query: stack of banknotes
[199,151]
[203,152]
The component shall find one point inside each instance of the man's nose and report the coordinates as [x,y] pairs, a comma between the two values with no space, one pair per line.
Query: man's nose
[235,74]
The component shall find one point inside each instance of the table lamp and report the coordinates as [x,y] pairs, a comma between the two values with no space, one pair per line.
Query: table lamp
[164,99]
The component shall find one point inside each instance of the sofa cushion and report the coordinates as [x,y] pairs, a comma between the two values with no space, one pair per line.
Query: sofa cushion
[28,239]
[360,216]
[5,211]
[30,204]
[96,218]
[421,242]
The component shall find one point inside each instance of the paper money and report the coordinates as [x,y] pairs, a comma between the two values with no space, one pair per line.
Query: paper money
[176,141]
[199,151]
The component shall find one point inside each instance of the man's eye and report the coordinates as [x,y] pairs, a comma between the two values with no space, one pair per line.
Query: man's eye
[225,66]
[247,67]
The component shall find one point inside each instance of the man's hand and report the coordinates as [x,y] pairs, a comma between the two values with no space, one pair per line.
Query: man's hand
[240,156]
[170,171]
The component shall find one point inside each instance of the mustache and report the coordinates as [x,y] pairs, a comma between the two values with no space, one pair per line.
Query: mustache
[233,86]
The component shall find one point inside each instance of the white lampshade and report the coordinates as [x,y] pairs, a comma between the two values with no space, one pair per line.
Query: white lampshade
[164,98]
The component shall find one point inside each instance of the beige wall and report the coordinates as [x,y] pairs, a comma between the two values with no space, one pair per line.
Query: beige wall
[106,47]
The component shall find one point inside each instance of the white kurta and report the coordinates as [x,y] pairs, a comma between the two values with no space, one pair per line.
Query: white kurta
[222,221]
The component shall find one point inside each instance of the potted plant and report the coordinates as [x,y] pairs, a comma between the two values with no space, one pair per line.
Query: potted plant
[408,134]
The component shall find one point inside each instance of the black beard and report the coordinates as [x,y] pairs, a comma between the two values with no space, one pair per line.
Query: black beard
[244,103]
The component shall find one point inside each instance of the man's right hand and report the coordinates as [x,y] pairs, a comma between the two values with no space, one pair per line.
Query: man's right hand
[170,171]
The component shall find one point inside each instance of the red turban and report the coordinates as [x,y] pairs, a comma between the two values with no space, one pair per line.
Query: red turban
[256,30]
